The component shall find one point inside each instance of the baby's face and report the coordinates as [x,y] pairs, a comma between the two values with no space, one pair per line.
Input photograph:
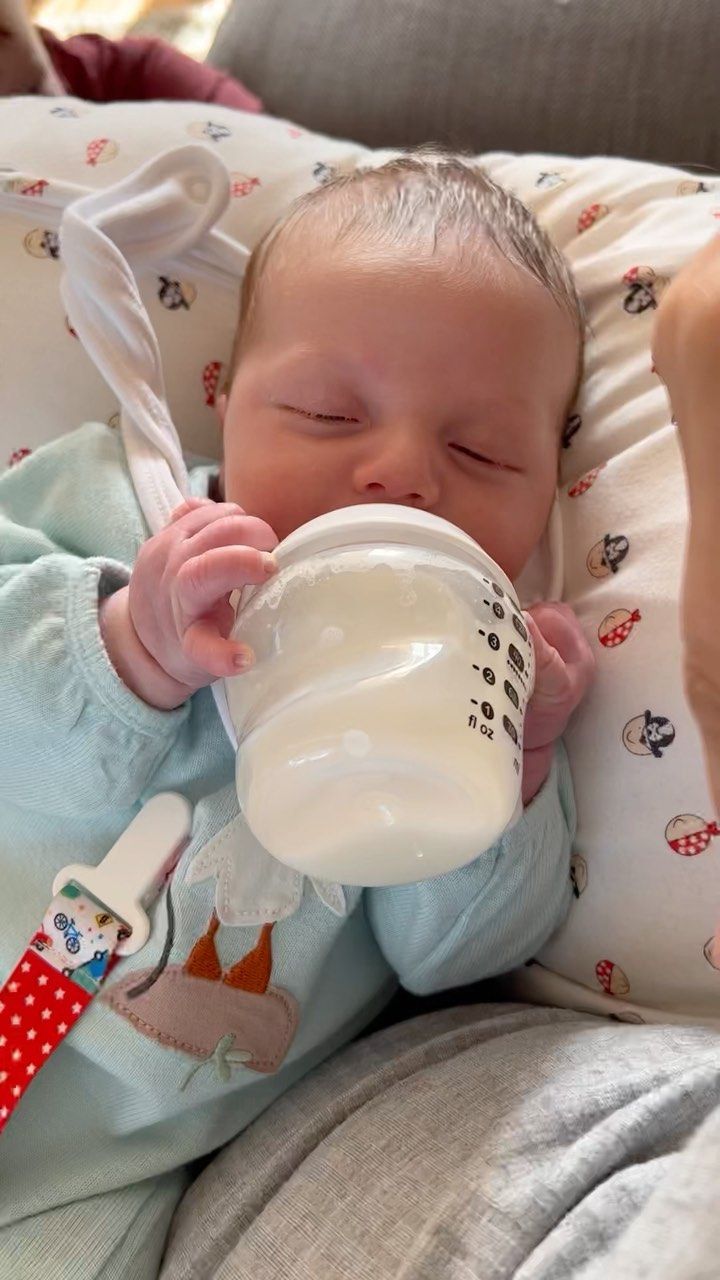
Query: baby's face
[365,379]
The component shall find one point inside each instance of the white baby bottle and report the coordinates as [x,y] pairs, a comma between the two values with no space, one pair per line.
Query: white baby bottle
[380,729]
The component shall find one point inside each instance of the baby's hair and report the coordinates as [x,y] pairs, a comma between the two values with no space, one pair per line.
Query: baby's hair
[416,200]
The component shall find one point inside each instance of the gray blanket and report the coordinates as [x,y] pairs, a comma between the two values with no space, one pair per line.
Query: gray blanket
[477,1143]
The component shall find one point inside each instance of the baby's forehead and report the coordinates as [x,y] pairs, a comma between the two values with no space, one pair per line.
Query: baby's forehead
[339,241]
[325,248]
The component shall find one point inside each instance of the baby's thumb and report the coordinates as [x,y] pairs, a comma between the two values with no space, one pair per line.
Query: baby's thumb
[551,681]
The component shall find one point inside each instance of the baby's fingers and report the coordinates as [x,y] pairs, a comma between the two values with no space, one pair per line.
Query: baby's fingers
[204,645]
[190,504]
[561,632]
[551,677]
[198,513]
[232,530]
[205,579]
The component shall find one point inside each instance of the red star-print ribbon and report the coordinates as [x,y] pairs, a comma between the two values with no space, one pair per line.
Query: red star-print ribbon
[98,914]
[50,987]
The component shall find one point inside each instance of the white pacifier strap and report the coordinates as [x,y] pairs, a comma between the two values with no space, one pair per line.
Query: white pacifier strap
[163,210]
[154,215]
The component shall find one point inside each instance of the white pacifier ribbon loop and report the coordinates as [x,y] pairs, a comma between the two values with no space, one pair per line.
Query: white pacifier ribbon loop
[151,217]
[163,210]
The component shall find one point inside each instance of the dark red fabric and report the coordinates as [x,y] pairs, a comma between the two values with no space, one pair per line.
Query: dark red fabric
[138,68]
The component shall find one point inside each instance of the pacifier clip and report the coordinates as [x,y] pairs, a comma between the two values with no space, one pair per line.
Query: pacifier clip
[97,915]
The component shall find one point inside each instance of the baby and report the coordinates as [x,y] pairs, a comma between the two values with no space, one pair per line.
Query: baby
[407,335]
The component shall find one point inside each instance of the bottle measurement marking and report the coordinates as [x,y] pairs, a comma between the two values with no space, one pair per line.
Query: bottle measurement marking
[520,627]
[519,674]
[487,709]
[484,727]
[510,729]
[517,666]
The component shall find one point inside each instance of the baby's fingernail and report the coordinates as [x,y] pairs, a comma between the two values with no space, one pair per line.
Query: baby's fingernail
[243,659]
[269,562]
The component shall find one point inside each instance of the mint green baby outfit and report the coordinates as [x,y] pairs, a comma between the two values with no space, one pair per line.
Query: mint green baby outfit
[191,1038]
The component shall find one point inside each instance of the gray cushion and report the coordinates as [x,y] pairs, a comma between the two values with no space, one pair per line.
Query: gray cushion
[482,1143]
[632,77]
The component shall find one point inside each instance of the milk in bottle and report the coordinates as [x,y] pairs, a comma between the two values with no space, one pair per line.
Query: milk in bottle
[380,729]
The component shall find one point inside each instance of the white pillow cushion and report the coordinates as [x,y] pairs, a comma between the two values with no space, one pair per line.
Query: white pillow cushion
[647,865]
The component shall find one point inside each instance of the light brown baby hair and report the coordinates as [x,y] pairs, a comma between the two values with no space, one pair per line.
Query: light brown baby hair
[415,202]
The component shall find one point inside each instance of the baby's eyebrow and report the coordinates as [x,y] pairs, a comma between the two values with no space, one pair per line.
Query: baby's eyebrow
[511,402]
[299,359]
[515,415]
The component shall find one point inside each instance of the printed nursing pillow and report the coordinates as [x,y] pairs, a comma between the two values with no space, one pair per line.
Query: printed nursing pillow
[54,149]
[646,871]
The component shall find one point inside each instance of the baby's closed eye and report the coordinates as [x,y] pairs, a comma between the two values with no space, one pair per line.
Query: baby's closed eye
[483,458]
[317,416]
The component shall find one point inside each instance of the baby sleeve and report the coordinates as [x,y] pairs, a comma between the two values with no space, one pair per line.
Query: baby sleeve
[74,738]
[492,915]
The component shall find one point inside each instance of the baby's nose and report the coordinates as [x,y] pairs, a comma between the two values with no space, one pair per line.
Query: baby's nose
[401,469]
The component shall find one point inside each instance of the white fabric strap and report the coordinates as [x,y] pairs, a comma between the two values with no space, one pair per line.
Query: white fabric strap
[156,214]
[163,210]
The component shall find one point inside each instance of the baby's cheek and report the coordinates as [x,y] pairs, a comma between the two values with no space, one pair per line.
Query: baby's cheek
[525,530]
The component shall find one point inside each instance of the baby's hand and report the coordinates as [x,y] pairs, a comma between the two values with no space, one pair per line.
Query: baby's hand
[167,632]
[564,665]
